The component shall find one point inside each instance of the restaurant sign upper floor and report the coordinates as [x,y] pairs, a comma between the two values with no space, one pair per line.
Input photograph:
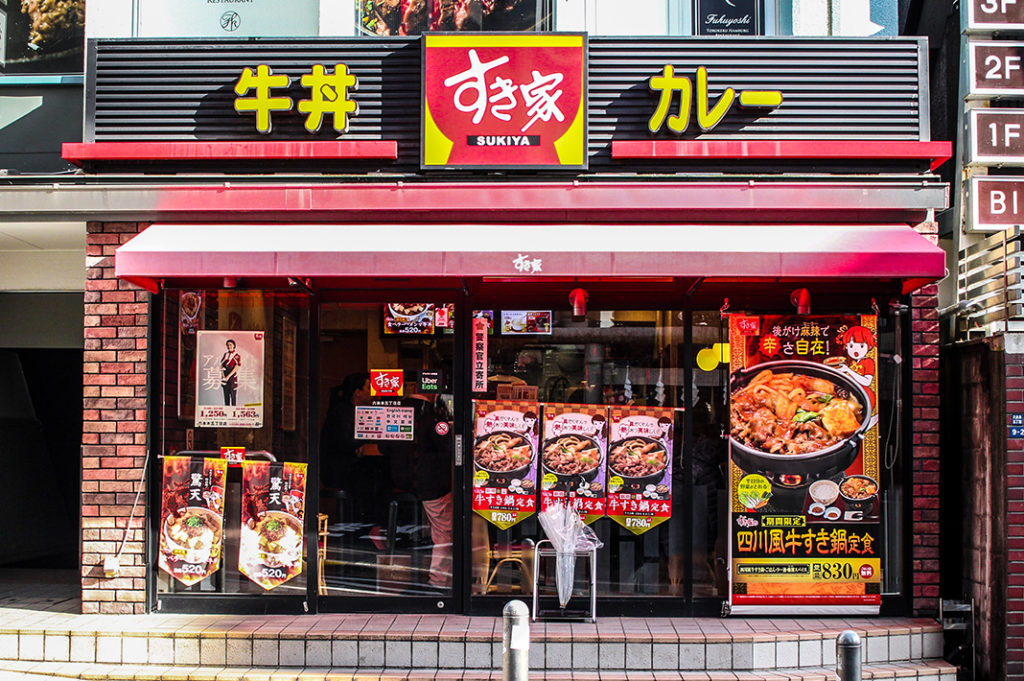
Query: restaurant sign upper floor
[508,101]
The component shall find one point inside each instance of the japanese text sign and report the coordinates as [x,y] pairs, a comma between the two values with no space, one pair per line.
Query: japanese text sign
[192,517]
[804,468]
[229,379]
[386,382]
[262,92]
[504,100]
[640,467]
[505,439]
[233,455]
[481,327]
[572,458]
[273,507]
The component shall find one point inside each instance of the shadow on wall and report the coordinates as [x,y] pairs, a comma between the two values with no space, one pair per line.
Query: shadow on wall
[39,463]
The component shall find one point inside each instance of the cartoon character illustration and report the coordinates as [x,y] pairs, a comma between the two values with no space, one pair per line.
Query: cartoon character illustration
[858,342]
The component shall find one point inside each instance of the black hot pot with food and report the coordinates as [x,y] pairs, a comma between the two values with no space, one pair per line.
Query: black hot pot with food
[587,475]
[791,474]
[502,478]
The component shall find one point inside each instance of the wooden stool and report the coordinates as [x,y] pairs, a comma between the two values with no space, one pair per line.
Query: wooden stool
[321,554]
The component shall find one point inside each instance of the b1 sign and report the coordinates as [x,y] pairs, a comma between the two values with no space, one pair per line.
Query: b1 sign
[996,202]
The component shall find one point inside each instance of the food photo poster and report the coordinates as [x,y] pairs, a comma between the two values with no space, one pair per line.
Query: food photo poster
[805,522]
[640,467]
[192,517]
[229,379]
[273,507]
[505,439]
[572,458]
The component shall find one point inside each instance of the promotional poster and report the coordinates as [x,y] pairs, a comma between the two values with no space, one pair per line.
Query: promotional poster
[505,439]
[192,517]
[804,467]
[572,458]
[229,381]
[640,467]
[415,319]
[273,507]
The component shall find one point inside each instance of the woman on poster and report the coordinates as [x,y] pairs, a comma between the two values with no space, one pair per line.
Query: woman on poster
[230,361]
[858,341]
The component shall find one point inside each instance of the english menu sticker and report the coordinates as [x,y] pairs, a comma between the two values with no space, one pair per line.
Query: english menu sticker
[640,467]
[505,439]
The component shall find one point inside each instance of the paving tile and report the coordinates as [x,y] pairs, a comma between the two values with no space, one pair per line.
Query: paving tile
[318,653]
[265,652]
[56,647]
[638,656]
[809,652]
[186,650]
[30,647]
[291,653]
[664,655]
[371,653]
[451,654]
[424,654]
[585,654]
[135,650]
[611,654]
[8,646]
[478,655]
[558,654]
[787,654]
[764,654]
[743,654]
[238,651]
[160,649]
[538,650]
[717,656]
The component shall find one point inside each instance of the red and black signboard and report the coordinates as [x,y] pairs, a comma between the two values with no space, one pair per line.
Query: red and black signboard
[996,69]
[995,15]
[504,101]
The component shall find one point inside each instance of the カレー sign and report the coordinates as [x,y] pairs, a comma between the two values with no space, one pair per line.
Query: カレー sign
[709,113]
[805,497]
[504,100]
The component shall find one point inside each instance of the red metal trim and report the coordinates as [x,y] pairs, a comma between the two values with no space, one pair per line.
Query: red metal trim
[80,153]
[936,152]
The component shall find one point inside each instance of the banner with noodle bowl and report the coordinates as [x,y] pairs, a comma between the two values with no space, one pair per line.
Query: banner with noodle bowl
[273,507]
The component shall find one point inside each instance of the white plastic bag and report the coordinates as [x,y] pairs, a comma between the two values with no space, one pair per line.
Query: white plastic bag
[568,535]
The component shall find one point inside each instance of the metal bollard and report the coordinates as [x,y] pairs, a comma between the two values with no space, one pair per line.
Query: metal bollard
[848,656]
[515,642]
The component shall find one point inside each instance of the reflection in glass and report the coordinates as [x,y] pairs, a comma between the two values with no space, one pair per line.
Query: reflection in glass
[385,459]
[413,17]
[609,358]
[42,37]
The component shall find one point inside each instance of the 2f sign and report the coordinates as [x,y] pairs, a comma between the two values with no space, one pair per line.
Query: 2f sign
[996,202]
[995,14]
[996,69]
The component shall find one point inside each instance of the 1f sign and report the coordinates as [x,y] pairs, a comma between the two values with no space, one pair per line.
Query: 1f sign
[994,15]
[996,203]
[996,137]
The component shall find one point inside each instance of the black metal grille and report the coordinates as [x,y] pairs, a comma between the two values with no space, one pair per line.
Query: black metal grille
[832,89]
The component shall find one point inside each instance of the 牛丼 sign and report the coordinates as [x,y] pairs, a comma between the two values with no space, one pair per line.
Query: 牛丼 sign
[504,101]
[262,92]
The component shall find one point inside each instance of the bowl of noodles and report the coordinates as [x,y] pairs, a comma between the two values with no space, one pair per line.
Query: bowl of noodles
[638,460]
[504,454]
[194,535]
[796,417]
[279,540]
[571,457]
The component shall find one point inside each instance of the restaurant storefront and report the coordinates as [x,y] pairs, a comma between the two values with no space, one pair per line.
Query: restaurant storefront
[431,286]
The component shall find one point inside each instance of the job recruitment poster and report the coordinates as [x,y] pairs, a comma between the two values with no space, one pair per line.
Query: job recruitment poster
[229,379]
[805,521]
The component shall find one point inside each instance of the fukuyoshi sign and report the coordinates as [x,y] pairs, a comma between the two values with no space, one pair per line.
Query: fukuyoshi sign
[504,100]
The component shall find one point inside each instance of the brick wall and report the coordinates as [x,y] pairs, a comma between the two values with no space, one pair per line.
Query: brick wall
[113,426]
[924,396]
[1014,372]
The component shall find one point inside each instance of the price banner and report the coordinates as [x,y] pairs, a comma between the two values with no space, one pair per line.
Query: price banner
[273,507]
[640,467]
[505,439]
[192,517]
[572,458]
[805,522]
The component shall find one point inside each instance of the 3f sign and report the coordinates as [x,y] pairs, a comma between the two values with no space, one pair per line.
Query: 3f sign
[996,6]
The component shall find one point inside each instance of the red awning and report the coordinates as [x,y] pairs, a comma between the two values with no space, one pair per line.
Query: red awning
[195,251]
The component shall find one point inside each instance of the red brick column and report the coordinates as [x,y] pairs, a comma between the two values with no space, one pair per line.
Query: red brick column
[924,469]
[113,426]
[1014,372]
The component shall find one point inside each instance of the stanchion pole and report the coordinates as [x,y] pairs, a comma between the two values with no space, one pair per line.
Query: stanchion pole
[848,656]
[515,642]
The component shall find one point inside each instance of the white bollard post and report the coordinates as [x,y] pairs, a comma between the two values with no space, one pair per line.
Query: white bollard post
[515,642]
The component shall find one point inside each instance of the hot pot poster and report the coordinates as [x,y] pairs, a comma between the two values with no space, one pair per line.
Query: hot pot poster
[572,458]
[504,100]
[804,470]
[273,505]
[640,467]
[505,439]
[229,379]
[192,517]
